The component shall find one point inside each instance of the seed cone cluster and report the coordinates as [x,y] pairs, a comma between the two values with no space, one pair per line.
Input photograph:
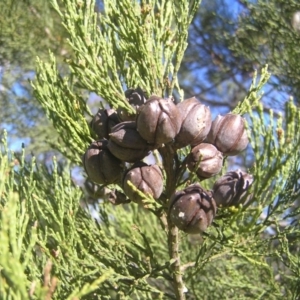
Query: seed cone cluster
[124,140]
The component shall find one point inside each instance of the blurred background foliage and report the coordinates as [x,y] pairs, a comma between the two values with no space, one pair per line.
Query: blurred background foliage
[230,39]
[27,29]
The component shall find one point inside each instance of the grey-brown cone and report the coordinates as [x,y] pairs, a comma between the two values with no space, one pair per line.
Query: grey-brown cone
[100,165]
[136,98]
[231,189]
[158,120]
[126,143]
[195,123]
[211,160]
[192,209]
[103,121]
[147,179]
[228,134]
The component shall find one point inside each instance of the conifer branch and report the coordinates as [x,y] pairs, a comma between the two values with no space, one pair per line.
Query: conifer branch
[173,241]
[171,166]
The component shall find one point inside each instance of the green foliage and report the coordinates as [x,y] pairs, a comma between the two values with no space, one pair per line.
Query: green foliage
[51,245]
[65,108]
[134,44]
[108,57]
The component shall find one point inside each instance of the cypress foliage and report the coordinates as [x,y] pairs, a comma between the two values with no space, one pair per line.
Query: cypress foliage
[53,248]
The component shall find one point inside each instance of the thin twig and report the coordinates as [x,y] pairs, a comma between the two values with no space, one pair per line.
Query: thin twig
[187,265]
[164,221]
[173,241]
[171,166]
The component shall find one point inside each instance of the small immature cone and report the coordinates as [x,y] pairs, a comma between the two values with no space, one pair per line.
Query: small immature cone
[103,121]
[158,120]
[136,98]
[147,179]
[192,209]
[195,123]
[231,189]
[211,160]
[126,143]
[228,134]
[100,165]
[116,197]
[94,190]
